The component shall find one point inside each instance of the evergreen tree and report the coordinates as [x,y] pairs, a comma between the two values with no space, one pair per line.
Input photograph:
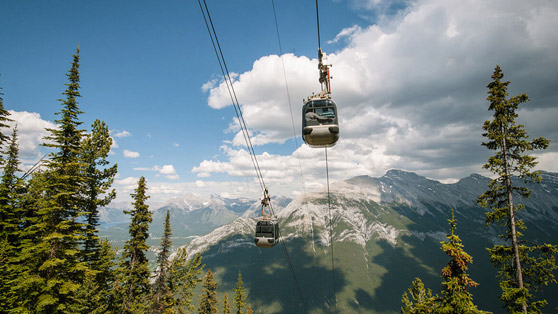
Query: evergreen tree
[183,278]
[456,299]
[91,299]
[523,268]
[105,275]
[226,305]
[133,271]
[162,295]
[249,310]
[52,271]
[208,297]
[422,299]
[98,180]
[11,190]
[239,294]
[3,124]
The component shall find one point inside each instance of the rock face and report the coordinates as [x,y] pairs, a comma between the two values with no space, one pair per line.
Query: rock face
[190,216]
[383,232]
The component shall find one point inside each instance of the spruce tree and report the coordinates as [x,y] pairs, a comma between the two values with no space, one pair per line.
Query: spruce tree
[11,189]
[421,301]
[162,295]
[208,297]
[133,271]
[3,124]
[11,218]
[523,267]
[456,299]
[239,294]
[249,310]
[98,180]
[105,275]
[226,305]
[52,270]
[183,278]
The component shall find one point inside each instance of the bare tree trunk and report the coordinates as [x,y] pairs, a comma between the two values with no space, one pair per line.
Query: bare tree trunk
[517,260]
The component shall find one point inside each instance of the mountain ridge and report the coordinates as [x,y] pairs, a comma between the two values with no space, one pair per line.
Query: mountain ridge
[386,232]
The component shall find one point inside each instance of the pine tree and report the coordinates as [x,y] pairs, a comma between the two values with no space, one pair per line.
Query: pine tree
[183,278]
[422,299]
[133,271]
[456,299]
[52,271]
[239,294]
[11,191]
[208,297]
[162,295]
[522,267]
[226,305]
[98,180]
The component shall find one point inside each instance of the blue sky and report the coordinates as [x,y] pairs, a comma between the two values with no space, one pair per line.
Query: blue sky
[409,78]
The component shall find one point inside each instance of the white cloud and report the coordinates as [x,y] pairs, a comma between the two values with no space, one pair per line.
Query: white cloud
[411,91]
[123,133]
[167,171]
[31,130]
[130,154]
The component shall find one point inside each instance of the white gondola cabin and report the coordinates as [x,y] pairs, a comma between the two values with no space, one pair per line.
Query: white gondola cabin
[320,127]
[267,233]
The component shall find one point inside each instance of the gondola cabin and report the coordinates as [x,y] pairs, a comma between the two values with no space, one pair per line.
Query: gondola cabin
[320,127]
[267,233]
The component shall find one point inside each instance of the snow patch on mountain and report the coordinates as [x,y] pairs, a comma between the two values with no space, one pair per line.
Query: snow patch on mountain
[240,226]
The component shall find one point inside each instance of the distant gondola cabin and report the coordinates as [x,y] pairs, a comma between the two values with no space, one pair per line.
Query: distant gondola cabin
[320,127]
[267,233]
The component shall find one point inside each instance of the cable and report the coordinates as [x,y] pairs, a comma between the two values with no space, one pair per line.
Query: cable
[242,123]
[33,168]
[318,23]
[330,233]
[230,88]
[282,241]
[289,100]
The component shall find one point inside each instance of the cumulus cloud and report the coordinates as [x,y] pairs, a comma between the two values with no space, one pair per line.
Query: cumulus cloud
[31,130]
[123,133]
[130,154]
[411,91]
[167,171]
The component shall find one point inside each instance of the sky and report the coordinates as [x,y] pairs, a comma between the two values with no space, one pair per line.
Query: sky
[409,80]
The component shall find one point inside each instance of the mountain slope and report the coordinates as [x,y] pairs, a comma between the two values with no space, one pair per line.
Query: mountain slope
[386,232]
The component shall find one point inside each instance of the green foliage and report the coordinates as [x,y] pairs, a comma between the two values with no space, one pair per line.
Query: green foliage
[183,278]
[421,300]
[11,218]
[208,297]
[249,310]
[52,271]
[95,148]
[133,272]
[522,267]
[239,295]
[455,296]
[3,124]
[226,305]
[162,294]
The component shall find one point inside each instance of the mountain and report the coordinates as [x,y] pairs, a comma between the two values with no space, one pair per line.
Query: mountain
[190,216]
[386,232]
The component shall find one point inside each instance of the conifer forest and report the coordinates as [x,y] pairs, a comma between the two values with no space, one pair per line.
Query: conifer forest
[53,259]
